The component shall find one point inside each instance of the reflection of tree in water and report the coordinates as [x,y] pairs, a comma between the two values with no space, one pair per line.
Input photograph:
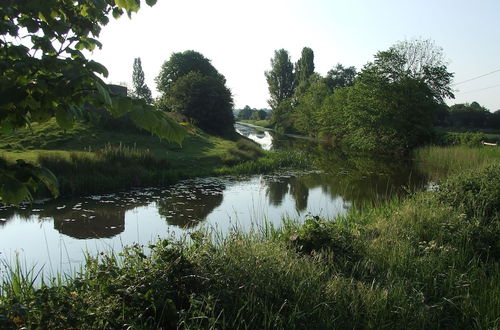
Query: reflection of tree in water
[276,190]
[299,192]
[187,208]
[82,218]
[99,225]
[90,219]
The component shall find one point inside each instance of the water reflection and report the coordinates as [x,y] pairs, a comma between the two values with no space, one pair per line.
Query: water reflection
[188,205]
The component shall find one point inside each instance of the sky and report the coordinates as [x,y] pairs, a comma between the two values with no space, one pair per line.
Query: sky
[239,37]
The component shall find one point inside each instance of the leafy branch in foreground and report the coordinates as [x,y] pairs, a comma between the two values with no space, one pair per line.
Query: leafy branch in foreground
[44,72]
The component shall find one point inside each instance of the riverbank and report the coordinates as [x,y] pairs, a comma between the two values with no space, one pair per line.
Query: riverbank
[87,159]
[426,261]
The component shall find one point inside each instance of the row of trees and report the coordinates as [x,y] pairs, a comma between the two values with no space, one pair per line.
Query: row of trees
[389,106]
[469,116]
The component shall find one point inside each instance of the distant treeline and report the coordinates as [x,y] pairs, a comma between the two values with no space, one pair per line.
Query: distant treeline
[470,116]
[248,113]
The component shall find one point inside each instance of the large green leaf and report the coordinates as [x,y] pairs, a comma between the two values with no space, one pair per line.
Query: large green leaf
[158,123]
[64,118]
[128,5]
[103,93]
[13,191]
[47,178]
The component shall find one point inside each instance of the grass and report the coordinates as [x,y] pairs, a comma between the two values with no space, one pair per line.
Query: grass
[428,261]
[89,159]
[263,123]
[439,162]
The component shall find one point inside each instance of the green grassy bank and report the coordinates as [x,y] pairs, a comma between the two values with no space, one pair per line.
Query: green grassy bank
[90,159]
[429,261]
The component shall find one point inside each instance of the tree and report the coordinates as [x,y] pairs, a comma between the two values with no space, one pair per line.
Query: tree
[471,115]
[45,74]
[190,85]
[141,90]
[280,78]
[180,64]
[205,100]
[245,113]
[417,59]
[304,66]
[307,105]
[340,76]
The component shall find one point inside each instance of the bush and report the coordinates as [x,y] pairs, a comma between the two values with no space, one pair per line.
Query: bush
[455,139]
[317,234]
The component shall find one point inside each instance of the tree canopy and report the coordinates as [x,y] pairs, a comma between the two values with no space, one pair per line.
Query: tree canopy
[45,74]
[180,64]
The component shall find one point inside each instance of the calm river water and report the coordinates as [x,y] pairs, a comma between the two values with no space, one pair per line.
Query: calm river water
[57,234]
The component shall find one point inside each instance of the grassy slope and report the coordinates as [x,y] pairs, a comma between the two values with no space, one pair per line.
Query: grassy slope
[87,159]
[28,144]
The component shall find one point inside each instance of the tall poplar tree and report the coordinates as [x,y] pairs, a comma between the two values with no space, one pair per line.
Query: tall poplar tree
[280,78]
[304,67]
[141,90]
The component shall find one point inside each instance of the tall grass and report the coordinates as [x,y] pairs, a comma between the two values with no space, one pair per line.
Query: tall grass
[439,162]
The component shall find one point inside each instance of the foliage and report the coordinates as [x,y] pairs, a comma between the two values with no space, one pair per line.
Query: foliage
[477,194]
[205,100]
[280,78]
[340,76]
[472,115]
[417,59]
[18,181]
[179,65]
[304,67]
[307,103]
[45,74]
[455,139]
[387,115]
[141,90]
[245,113]
[389,107]
[192,87]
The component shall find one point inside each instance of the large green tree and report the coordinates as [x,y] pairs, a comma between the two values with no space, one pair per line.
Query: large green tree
[205,100]
[280,78]
[45,74]
[180,64]
[391,106]
[192,86]
[418,59]
[141,90]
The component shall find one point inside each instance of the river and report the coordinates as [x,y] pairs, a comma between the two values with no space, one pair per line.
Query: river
[56,235]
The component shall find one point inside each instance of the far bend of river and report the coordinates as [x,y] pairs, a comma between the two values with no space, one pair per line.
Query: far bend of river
[56,234]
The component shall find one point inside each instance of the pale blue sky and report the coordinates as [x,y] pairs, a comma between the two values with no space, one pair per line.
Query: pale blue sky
[241,36]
